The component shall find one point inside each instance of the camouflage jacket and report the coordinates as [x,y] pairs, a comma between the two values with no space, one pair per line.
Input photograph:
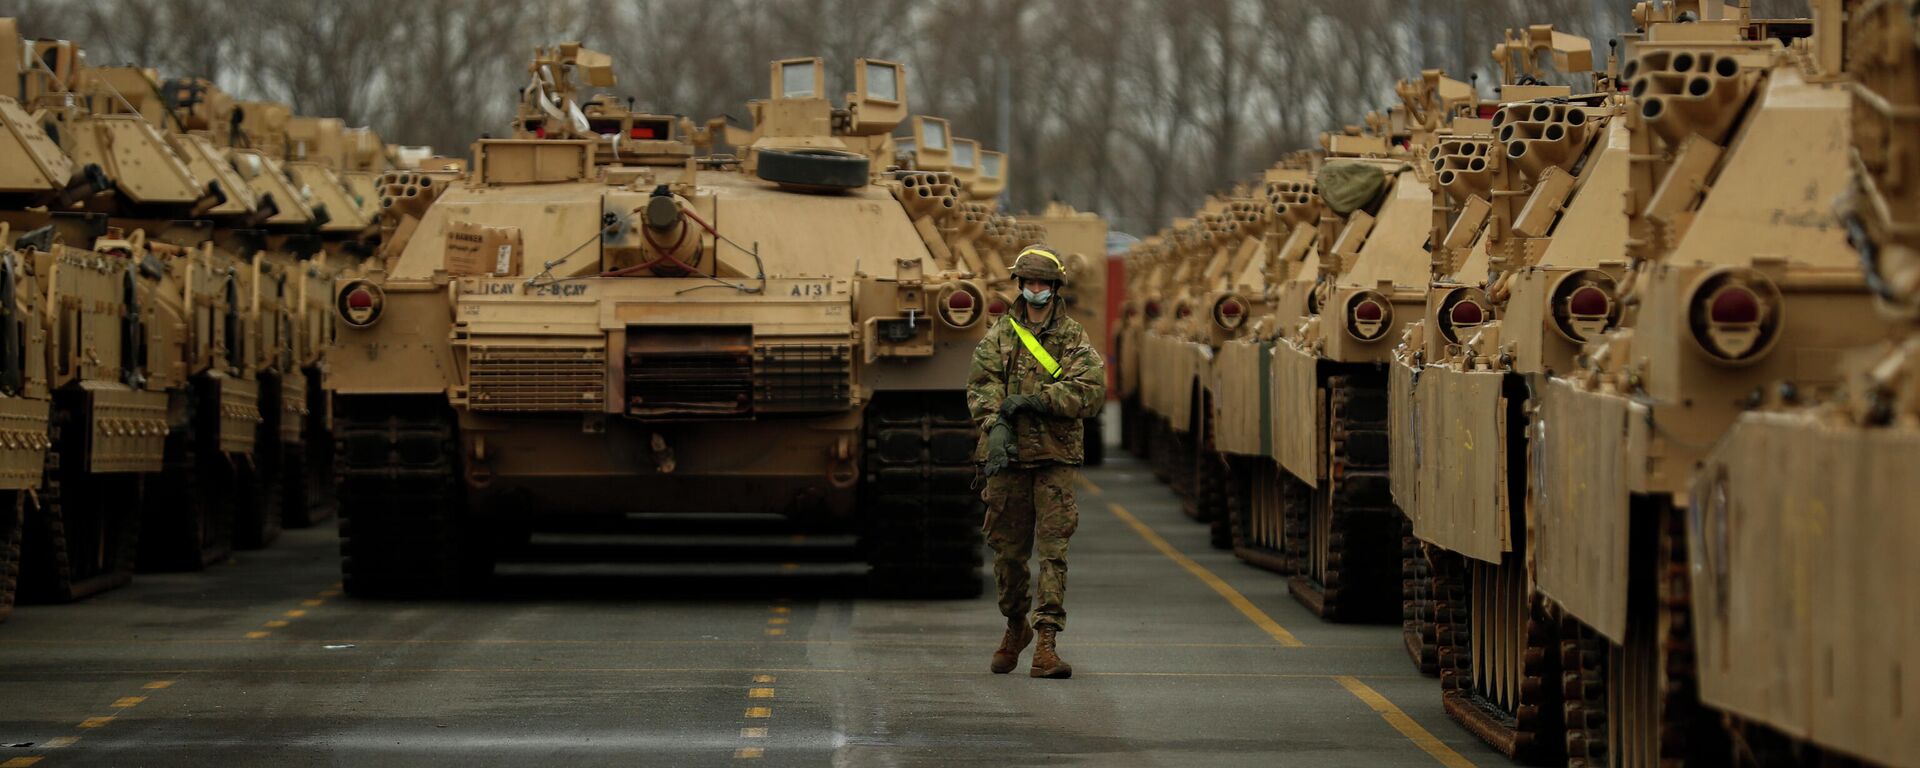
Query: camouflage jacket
[1002,366]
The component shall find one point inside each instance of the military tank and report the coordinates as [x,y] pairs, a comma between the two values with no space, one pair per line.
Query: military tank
[1329,387]
[1797,513]
[1740,290]
[1529,238]
[593,321]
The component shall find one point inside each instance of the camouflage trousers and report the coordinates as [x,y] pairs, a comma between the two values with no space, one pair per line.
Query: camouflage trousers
[1030,512]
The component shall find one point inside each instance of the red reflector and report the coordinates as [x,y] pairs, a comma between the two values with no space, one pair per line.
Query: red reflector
[1589,301]
[1368,311]
[359,299]
[539,133]
[1734,304]
[959,299]
[1468,313]
[998,307]
[1487,110]
[641,132]
[1230,309]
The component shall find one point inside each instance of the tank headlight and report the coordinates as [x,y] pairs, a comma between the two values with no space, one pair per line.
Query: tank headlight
[1582,304]
[1230,313]
[360,303]
[960,305]
[998,306]
[1153,310]
[1734,314]
[1463,309]
[1369,315]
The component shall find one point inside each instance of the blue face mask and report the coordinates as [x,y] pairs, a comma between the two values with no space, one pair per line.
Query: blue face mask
[1037,299]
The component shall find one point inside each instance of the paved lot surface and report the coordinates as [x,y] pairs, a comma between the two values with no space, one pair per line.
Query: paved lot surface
[1183,657]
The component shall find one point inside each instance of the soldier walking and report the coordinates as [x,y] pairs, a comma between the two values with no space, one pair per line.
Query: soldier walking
[1035,377]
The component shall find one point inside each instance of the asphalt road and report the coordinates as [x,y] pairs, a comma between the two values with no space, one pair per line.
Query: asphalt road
[1182,656]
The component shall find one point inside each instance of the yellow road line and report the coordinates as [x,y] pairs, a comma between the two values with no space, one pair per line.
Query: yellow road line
[329,593]
[764,678]
[759,712]
[776,632]
[753,733]
[20,762]
[255,635]
[296,613]
[125,702]
[277,623]
[1233,596]
[1421,738]
[59,741]
[312,602]
[749,753]
[782,609]
[96,722]
[776,620]
[1091,488]
[158,684]
[759,693]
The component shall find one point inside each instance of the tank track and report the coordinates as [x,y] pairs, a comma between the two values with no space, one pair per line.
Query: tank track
[1359,529]
[1416,611]
[1093,444]
[404,531]
[1133,434]
[82,537]
[1207,501]
[257,506]
[1638,704]
[1257,505]
[1583,693]
[306,479]
[921,516]
[1529,726]
[187,520]
[12,520]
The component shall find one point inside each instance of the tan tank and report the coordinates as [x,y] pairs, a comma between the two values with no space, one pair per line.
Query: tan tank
[1801,518]
[1531,239]
[1338,531]
[1740,291]
[593,320]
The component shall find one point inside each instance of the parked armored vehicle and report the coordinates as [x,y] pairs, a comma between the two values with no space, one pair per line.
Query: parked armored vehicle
[566,331]
[1740,291]
[1801,586]
[1528,249]
[1329,389]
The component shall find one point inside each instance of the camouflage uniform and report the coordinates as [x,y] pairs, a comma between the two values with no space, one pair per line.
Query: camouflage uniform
[1030,504]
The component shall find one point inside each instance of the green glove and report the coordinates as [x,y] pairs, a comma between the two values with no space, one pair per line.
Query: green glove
[999,448]
[1021,403]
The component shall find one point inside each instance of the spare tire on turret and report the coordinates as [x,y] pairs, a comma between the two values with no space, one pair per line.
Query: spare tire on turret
[815,170]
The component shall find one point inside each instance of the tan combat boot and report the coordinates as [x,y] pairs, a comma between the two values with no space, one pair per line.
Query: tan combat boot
[1011,644]
[1047,663]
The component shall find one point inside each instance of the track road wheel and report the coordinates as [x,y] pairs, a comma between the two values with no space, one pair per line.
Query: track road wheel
[81,538]
[404,527]
[920,515]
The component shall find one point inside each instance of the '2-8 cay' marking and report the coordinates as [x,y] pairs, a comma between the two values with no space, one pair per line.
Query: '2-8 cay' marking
[558,289]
